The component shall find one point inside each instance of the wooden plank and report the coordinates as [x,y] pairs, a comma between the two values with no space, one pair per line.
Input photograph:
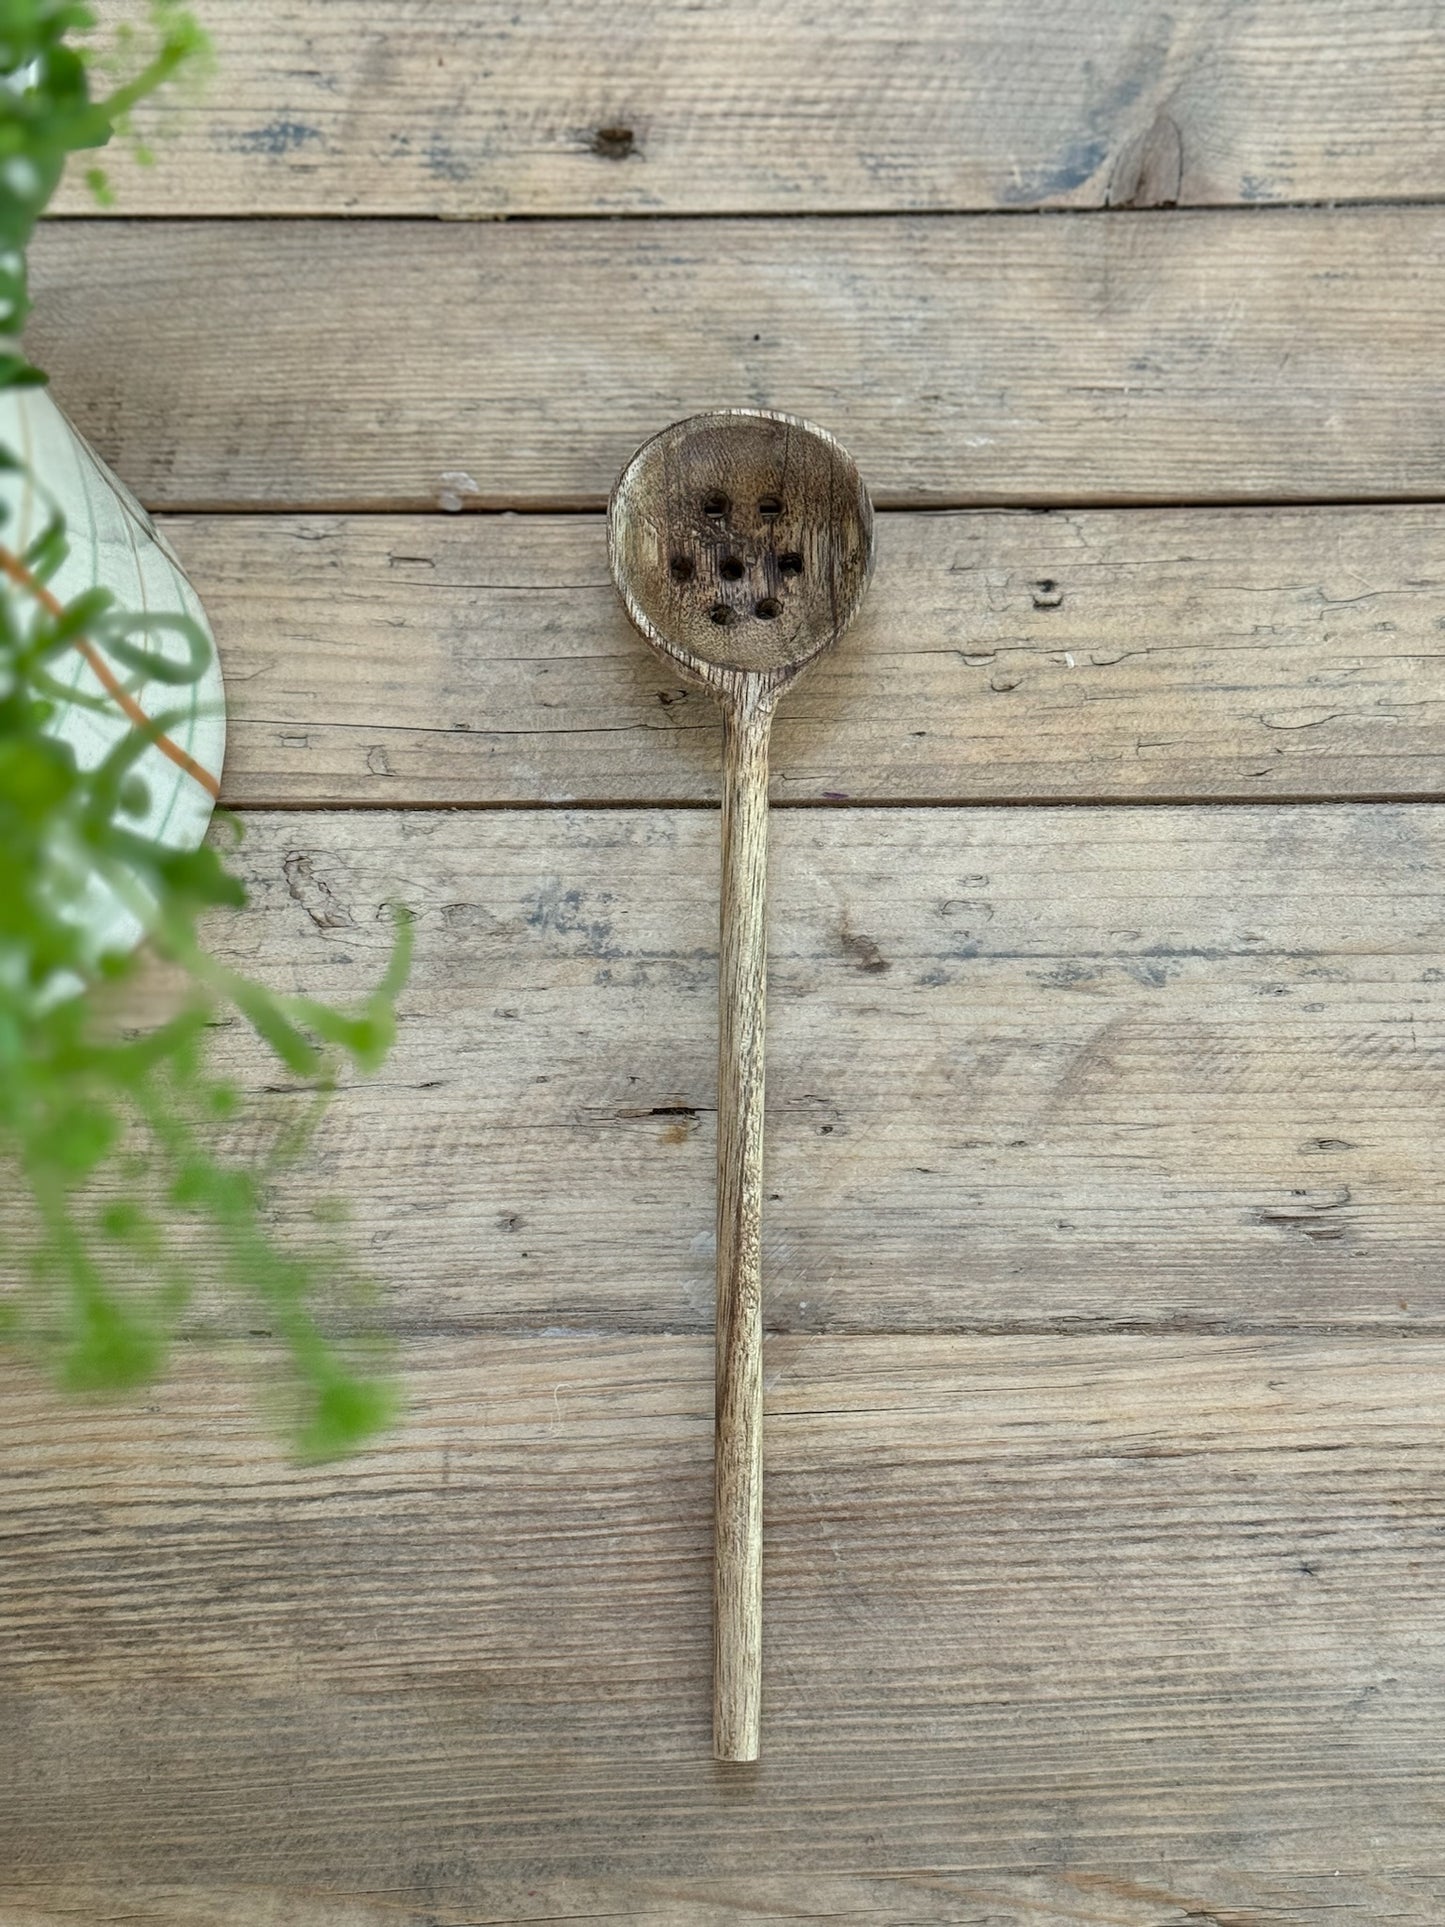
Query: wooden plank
[1156,1620]
[1086,655]
[1240,356]
[566,107]
[987,1897]
[1056,1069]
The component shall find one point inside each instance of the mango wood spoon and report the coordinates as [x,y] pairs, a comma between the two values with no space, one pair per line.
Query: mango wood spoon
[741,542]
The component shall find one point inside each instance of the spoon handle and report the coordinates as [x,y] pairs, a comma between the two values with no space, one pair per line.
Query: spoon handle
[738,1437]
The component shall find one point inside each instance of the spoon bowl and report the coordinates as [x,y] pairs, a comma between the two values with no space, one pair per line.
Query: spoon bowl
[742,543]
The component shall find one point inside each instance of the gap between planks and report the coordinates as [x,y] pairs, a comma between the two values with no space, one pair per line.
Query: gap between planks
[285,806]
[1037,502]
[1206,1330]
[622,216]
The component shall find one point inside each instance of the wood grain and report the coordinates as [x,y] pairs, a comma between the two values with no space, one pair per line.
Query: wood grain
[1084,655]
[739,1111]
[980,1897]
[1158,1621]
[1168,1067]
[572,107]
[741,541]
[1231,356]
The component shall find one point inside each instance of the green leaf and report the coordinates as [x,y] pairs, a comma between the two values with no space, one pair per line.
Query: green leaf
[111,1350]
[116,627]
[345,1413]
[46,553]
[270,1021]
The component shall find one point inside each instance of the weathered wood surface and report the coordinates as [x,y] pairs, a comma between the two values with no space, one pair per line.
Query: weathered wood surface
[572,107]
[982,1897]
[1154,1620]
[1232,356]
[1105,1161]
[1085,655]
[738,1100]
[1166,1067]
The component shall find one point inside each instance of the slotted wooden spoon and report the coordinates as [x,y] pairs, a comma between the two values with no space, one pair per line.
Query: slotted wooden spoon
[741,542]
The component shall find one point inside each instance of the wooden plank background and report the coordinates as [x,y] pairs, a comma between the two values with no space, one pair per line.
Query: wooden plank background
[1175,654]
[1108,1001]
[655,106]
[1015,1595]
[1229,356]
[1029,1069]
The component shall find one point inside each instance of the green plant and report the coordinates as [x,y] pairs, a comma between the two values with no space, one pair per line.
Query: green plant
[111,1131]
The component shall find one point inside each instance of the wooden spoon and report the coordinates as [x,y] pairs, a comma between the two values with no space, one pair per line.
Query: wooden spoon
[742,543]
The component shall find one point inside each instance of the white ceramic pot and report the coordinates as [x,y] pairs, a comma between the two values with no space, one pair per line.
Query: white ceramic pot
[115,545]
